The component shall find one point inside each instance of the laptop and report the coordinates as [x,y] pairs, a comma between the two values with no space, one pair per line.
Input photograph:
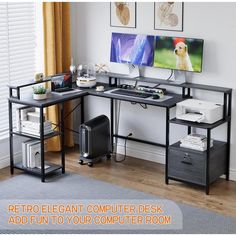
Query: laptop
[61,83]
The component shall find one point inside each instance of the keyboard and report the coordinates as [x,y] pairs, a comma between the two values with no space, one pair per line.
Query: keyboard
[131,93]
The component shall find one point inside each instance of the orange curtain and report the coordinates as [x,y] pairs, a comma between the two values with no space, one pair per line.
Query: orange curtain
[57,57]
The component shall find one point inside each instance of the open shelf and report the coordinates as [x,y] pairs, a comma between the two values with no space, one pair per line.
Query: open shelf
[199,125]
[36,170]
[28,135]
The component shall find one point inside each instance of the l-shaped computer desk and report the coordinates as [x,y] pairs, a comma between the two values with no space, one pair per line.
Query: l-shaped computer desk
[185,165]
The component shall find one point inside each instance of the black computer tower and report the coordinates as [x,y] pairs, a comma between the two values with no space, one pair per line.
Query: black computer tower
[95,140]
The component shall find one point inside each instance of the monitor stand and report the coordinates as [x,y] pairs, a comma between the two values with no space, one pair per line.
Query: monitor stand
[178,77]
[134,71]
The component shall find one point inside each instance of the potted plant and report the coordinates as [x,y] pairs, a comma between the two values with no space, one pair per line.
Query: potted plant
[39,93]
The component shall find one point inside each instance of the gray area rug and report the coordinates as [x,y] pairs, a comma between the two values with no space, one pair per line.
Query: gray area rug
[72,186]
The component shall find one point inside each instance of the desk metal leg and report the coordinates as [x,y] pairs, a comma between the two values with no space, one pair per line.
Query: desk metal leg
[228,137]
[228,150]
[167,144]
[112,122]
[82,109]
[189,129]
[208,160]
[11,137]
[62,139]
[42,144]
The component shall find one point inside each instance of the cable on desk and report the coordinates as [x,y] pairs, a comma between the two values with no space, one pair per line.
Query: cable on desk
[117,120]
[171,73]
[156,85]
[117,117]
[144,106]
[130,134]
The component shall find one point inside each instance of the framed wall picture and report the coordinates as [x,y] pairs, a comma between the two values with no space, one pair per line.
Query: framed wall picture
[123,14]
[168,16]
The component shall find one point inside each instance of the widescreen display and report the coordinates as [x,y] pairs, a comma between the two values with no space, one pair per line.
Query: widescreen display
[134,49]
[178,53]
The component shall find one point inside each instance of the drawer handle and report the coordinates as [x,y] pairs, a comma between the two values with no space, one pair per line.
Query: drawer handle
[187,159]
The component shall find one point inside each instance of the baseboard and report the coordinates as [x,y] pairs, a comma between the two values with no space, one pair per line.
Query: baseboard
[151,153]
[232,174]
[142,151]
[5,160]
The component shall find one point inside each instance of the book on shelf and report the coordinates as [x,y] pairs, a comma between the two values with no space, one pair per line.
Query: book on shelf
[34,128]
[31,154]
[203,144]
[195,137]
[34,152]
[34,116]
[27,158]
[195,141]
[35,125]
[28,121]
[21,115]
[195,147]
[36,133]
[25,153]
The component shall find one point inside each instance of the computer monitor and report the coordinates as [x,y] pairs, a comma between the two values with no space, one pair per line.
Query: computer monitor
[184,54]
[133,49]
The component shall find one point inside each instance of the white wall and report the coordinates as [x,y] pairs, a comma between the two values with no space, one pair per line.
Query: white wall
[213,22]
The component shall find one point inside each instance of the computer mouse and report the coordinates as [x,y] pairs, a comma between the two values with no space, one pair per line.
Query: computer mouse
[155,96]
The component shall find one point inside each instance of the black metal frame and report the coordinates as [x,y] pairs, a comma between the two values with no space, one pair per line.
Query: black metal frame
[186,93]
[43,173]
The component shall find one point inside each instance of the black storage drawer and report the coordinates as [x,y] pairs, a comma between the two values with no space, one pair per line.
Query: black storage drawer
[187,166]
[190,165]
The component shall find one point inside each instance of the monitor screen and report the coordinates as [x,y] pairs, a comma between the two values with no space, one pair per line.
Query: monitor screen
[61,81]
[178,53]
[134,49]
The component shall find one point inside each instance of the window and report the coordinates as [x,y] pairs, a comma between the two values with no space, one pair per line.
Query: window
[18,44]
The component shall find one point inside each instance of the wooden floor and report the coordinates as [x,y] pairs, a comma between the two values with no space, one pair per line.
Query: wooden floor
[148,177]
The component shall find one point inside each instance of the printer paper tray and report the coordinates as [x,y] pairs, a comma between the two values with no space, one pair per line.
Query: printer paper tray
[191,117]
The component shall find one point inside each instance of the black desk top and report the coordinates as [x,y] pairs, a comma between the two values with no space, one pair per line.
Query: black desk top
[171,102]
[52,99]
[56,99]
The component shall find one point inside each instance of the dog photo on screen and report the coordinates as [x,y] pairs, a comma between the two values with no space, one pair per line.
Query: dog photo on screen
[178,53]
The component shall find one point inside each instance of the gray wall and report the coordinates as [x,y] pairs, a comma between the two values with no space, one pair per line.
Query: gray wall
[214,22]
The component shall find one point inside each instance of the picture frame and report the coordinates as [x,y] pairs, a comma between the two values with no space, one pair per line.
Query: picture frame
[123,14]
[168,16]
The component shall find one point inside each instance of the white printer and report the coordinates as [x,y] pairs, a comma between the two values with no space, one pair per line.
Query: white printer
[199,111]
